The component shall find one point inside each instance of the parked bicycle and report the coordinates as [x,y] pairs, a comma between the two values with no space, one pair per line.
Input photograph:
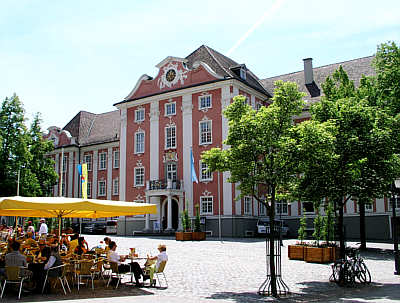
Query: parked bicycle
[346,272]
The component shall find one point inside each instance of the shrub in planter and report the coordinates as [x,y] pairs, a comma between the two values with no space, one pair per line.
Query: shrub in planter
[296,252]
[186,234]
[197,234]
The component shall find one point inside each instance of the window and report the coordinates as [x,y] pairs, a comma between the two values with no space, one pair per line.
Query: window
[308,207]
[63,189]
[88,160]
[170,137]
[368,207]
[89,189]
[171,171]
[206,204]
[102,161]
[205,132]
[258,106]
[247,205]
[139,115]
[205,102]
[281,208]
[102,188]
[139,143]
[205,175]
[243,73]
[64,168]
[116,158]
[396,203]
[170,109]
[262,209]
[139,176]
[115,186]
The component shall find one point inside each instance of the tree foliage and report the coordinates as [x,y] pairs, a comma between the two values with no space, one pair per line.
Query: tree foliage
[23,152]
[261,154]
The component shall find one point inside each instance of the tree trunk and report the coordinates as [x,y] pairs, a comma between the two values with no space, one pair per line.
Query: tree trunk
[272,244]
[340,229]
[363,239]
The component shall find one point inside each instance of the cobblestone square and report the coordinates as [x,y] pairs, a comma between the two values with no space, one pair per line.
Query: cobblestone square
[231,271]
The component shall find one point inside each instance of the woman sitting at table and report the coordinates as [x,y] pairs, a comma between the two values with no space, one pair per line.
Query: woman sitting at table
[82,247]
[64,242]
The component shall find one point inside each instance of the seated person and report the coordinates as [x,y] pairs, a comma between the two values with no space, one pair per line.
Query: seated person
[107,242]
[54,260]
[122,268]
[42,246]
[64,242]
[82,247]
[29,242]
[73,243]
[15,258]
[153,263]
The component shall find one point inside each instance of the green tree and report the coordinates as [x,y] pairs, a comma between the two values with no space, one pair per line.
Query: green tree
[327,229]
[260,158]
[14,153]
[41,165]
[363,163]
[387,66]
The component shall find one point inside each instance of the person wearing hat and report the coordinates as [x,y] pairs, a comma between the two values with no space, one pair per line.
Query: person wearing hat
[43,230]
[31,229]
[151,266]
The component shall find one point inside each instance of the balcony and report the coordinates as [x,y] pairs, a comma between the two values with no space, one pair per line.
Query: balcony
[164,184]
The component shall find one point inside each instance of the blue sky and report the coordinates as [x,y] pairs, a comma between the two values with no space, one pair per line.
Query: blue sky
[61,57]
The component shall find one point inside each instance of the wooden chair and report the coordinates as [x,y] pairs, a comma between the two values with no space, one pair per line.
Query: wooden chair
[62,277]
[13,277]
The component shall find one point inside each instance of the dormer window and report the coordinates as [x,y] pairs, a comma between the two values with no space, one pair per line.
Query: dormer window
[243,73]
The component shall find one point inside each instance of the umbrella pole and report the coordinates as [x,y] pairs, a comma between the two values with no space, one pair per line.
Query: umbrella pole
[59,232]
[16,227]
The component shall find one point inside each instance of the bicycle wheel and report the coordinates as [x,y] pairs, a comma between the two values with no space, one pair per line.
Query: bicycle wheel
[365,272]
[348,274]
[336,268]
[359,272]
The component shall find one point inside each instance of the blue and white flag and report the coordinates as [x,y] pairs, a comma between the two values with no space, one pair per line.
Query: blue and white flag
[193,171]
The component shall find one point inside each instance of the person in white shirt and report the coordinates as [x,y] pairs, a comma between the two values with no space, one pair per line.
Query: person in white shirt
[153,263]
[43,230]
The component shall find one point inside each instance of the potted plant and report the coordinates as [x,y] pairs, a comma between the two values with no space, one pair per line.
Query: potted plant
[185,234]
[317,253]
[328,233]
[198,235]
[296,252]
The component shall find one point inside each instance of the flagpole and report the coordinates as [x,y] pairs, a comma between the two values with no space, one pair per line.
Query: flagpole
[219,210]
[60,191]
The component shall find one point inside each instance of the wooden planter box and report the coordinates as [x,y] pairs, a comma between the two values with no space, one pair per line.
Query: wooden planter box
[296,252]
[318,254]
[183,236]
[198,235]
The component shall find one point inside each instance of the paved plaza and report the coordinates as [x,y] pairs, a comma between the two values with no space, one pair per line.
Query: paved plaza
[231,271]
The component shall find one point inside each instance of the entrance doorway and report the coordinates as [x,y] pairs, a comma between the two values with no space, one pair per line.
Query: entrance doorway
[175,214]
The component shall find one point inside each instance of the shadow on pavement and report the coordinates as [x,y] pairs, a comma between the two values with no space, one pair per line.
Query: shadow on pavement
[84,294]
[321,292]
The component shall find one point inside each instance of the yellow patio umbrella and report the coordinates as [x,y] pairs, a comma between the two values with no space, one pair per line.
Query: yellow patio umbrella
[61,207]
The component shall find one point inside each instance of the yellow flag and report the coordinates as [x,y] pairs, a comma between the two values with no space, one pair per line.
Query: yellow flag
[84,181]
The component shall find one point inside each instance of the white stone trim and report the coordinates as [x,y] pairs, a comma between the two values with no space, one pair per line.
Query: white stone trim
[109,172]
[226,186]
[122,155]
[94,180]
[170,59]
[141,79]
[70,173]
[187,144]
[154,140]
[192,90]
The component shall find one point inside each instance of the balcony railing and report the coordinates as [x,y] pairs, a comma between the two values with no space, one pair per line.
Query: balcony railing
[164,184]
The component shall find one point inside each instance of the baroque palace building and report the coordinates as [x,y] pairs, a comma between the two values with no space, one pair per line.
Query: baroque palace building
[142,151]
